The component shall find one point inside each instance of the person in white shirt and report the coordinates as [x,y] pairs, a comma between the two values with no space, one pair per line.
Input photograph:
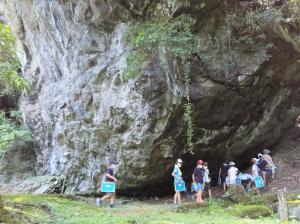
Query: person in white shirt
[255,168]
[207,179]
[255,172]
[232,173]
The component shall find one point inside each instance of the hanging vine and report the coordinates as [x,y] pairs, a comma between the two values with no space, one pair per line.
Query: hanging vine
[188,106]
[180,43]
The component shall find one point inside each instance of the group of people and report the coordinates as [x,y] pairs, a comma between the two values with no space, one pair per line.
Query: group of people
[263,171]
[201,181]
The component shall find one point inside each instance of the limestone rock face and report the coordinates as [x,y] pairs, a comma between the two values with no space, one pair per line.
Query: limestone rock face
[82,114]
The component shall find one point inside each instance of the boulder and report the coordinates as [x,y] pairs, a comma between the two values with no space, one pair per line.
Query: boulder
[244,95]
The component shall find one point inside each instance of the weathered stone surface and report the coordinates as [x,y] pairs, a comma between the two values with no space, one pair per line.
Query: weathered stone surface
[83,115]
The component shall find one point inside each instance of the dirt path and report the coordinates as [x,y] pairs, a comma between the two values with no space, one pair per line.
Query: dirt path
[287,160]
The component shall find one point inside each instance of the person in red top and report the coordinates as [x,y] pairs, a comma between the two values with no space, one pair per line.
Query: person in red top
[198,180]
[109,177]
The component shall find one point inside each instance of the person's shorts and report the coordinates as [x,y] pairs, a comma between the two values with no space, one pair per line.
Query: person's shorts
[223,180]
[230,181]
[197,187]
[269,171]
[246,182]
[206,186]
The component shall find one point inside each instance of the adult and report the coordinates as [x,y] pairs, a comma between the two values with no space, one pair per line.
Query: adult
[198,180]
[271,165]
[263,167]
[255,172]
[177,174]
[109,176]
[232,173]
[222,175]
[246,180]
[207,179]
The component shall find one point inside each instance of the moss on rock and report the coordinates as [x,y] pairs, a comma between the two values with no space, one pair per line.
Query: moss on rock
[250,211]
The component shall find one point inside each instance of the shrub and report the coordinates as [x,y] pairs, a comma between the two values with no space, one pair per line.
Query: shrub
[11,133]
[249,27]
[148,38]
[10,80]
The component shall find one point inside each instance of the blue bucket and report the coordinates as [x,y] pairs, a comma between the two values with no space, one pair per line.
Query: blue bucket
[108,187]
[180,186]
[259,182]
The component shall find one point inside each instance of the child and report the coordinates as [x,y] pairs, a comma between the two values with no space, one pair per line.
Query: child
[207,179]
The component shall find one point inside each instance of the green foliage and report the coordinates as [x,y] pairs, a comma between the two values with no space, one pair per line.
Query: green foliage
[248,27]
[11,133]
[174,37]
[148,38]
[293,10]
[188,107]
[10,81]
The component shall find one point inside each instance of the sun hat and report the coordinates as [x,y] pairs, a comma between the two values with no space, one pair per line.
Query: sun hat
[266,151]
[179,161]
[232,164]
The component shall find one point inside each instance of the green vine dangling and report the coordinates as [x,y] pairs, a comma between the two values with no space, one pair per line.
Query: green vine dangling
[188,106]
[145,40]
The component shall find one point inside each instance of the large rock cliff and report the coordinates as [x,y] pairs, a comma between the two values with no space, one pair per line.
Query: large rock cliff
[244,95]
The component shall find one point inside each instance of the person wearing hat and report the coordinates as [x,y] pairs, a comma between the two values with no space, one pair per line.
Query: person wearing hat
[223,174]
[109,176]
[232,173]
[263,167]
[207,179]
[266,156]
[177,174]
[198,180]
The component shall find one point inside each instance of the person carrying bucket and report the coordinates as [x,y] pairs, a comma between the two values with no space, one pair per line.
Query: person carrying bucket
[257,179]
[178,182]
[108,185]
[198,180]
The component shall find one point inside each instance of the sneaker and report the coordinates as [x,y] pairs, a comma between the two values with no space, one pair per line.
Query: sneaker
[99,202]
[111,205]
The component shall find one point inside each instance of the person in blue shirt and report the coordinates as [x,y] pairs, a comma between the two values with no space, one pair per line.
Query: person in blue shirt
[177,174]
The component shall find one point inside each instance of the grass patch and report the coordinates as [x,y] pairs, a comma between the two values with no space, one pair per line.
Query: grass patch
[55,209]
[250,211]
